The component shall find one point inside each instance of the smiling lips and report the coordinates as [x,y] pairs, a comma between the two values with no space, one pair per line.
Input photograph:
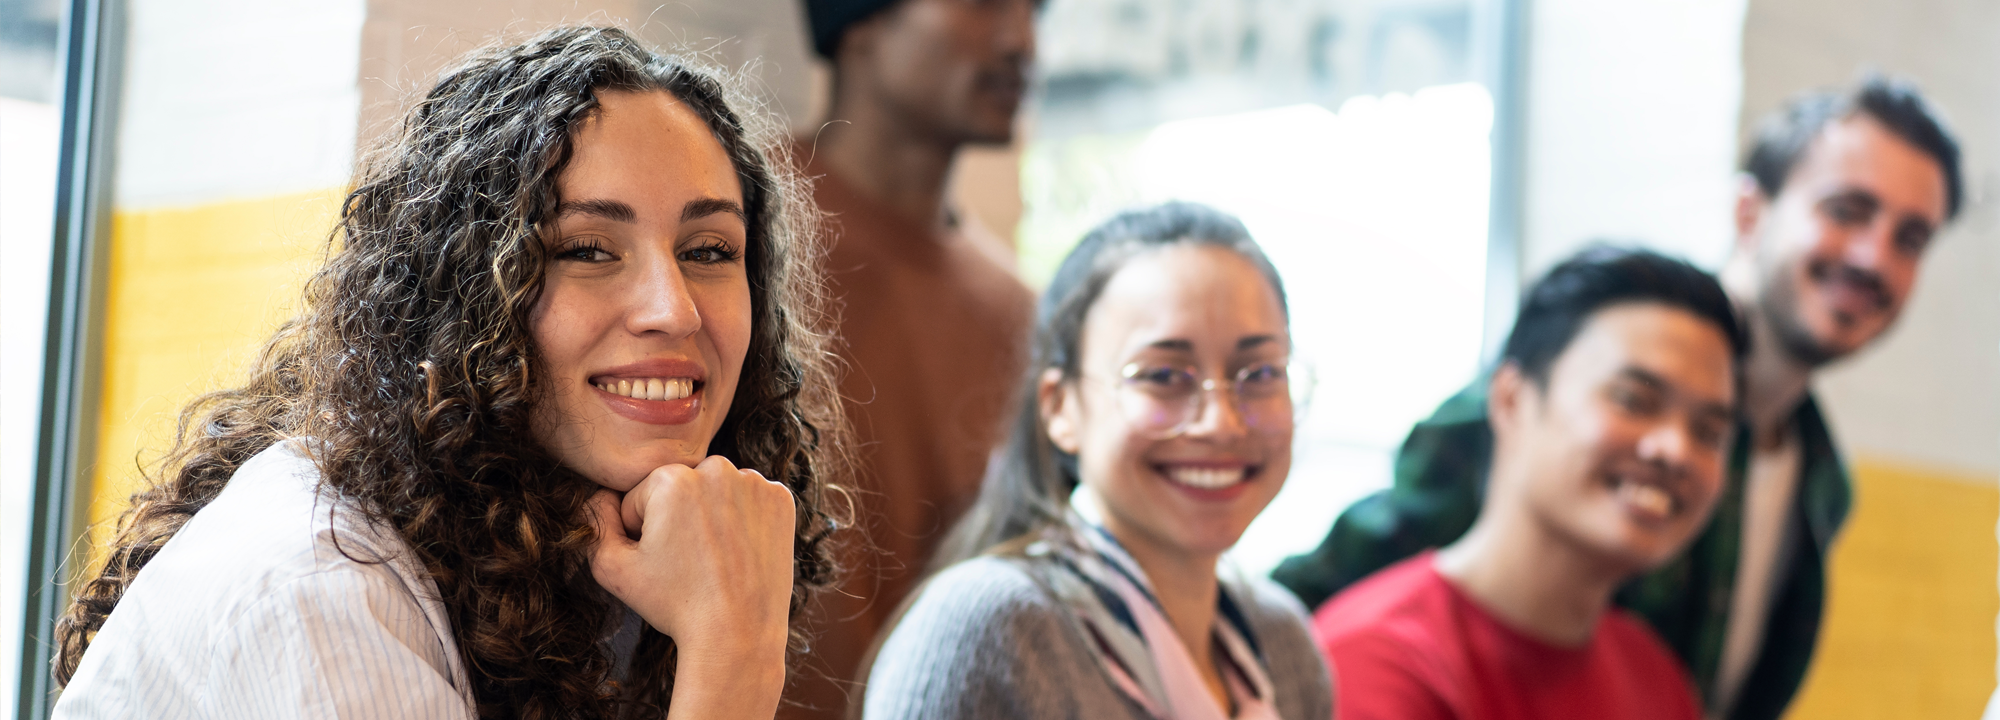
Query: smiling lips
[649,388]
[1207,478]
[664,391]
[1208,482]
[1645,499]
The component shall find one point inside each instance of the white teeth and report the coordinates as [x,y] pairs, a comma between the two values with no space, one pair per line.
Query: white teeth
[1646,498]
[1207,478]
[650,388]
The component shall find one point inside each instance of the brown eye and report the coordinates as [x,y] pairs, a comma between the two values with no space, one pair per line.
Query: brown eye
[1159,380]
[1261,380]
[1635,401]
[586,251]
[1711,433]
[1912,237]
[710,254]
[1847,211]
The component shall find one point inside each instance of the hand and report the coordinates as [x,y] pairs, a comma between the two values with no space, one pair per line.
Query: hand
[704,555]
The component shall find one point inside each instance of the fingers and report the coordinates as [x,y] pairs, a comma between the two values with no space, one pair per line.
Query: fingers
[703,553]
[712,489]
[605,518]
[632,510]
[607,559]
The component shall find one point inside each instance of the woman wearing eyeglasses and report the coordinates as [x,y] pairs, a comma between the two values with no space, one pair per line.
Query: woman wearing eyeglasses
[1160,399]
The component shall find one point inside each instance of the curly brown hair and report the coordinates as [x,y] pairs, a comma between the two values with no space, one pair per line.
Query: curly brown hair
[413,367]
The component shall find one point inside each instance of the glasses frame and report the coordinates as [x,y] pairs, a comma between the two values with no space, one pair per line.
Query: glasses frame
[1196,401]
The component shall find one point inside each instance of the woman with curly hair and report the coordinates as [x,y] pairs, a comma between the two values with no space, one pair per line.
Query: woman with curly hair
[511,459]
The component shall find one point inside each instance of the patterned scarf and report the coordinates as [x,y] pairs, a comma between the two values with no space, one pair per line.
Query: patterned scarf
[1129,633]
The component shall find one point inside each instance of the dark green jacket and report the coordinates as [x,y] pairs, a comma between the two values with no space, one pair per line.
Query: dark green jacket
[1440,477]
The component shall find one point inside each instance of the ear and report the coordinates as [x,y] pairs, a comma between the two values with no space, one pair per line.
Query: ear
[1751,204]
[1508,399]
[1057,401]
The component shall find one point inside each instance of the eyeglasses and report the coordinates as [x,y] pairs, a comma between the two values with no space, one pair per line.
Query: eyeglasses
[1163,400]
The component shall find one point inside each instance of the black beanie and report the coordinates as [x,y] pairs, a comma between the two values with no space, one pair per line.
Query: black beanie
[830,18]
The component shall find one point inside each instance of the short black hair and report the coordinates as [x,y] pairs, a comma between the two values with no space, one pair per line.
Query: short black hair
[828,20]
[1556,307]
[1783,137]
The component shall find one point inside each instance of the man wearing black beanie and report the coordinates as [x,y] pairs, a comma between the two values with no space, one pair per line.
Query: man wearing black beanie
[933,322]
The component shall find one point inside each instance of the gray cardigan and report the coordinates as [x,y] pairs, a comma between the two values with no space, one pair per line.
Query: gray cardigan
[986,640]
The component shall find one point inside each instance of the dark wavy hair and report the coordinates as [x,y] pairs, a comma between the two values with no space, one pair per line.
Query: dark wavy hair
[1028,486]
[414,368]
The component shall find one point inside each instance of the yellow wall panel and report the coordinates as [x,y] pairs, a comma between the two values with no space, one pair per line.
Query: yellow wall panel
[191,293]
[1909,631]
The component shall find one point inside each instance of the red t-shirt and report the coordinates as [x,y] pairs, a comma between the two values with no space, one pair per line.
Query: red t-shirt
[1406,644]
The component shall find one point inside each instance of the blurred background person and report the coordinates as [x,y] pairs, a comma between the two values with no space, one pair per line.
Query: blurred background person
[1612,413]
[933,321]
[1841,195]
[1159,396]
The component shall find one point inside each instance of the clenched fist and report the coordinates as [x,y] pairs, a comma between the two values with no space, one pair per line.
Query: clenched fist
[704,555]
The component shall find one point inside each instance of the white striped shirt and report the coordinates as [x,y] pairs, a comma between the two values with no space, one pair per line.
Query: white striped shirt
[254,611]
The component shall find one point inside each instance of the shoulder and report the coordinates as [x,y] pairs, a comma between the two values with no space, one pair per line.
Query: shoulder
[1404,593]
[984,638]
[990,599]
[263,597]
[275,522]
[1386,638]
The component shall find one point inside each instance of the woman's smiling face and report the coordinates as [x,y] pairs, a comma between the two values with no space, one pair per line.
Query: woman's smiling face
[645,318]
[1192,492]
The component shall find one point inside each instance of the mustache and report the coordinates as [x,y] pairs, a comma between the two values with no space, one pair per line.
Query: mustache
[1867,281]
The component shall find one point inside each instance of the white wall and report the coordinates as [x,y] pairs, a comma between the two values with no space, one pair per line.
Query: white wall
[408,42]
[231,99]
[1930,391]
[1631,117]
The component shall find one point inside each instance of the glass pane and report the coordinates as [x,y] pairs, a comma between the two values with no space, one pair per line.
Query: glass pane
[29,122]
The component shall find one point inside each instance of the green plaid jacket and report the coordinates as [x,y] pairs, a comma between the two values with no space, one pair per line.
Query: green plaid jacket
[1440,476]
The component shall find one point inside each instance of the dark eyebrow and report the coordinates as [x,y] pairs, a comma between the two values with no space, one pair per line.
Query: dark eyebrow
[1179,345]
[1862,196]
[1644,377]
[1654,381]
[1254,341]
[697,209]
[608,209]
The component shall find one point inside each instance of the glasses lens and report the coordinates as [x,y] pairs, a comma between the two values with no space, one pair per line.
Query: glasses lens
[1157,398]
[1264,395]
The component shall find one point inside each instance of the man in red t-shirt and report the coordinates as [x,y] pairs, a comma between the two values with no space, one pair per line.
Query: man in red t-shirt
[1612,412]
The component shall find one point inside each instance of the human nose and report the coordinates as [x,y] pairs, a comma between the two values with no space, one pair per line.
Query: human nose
[661,302]
[1215,412]
[1667,443]
[1871,246]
